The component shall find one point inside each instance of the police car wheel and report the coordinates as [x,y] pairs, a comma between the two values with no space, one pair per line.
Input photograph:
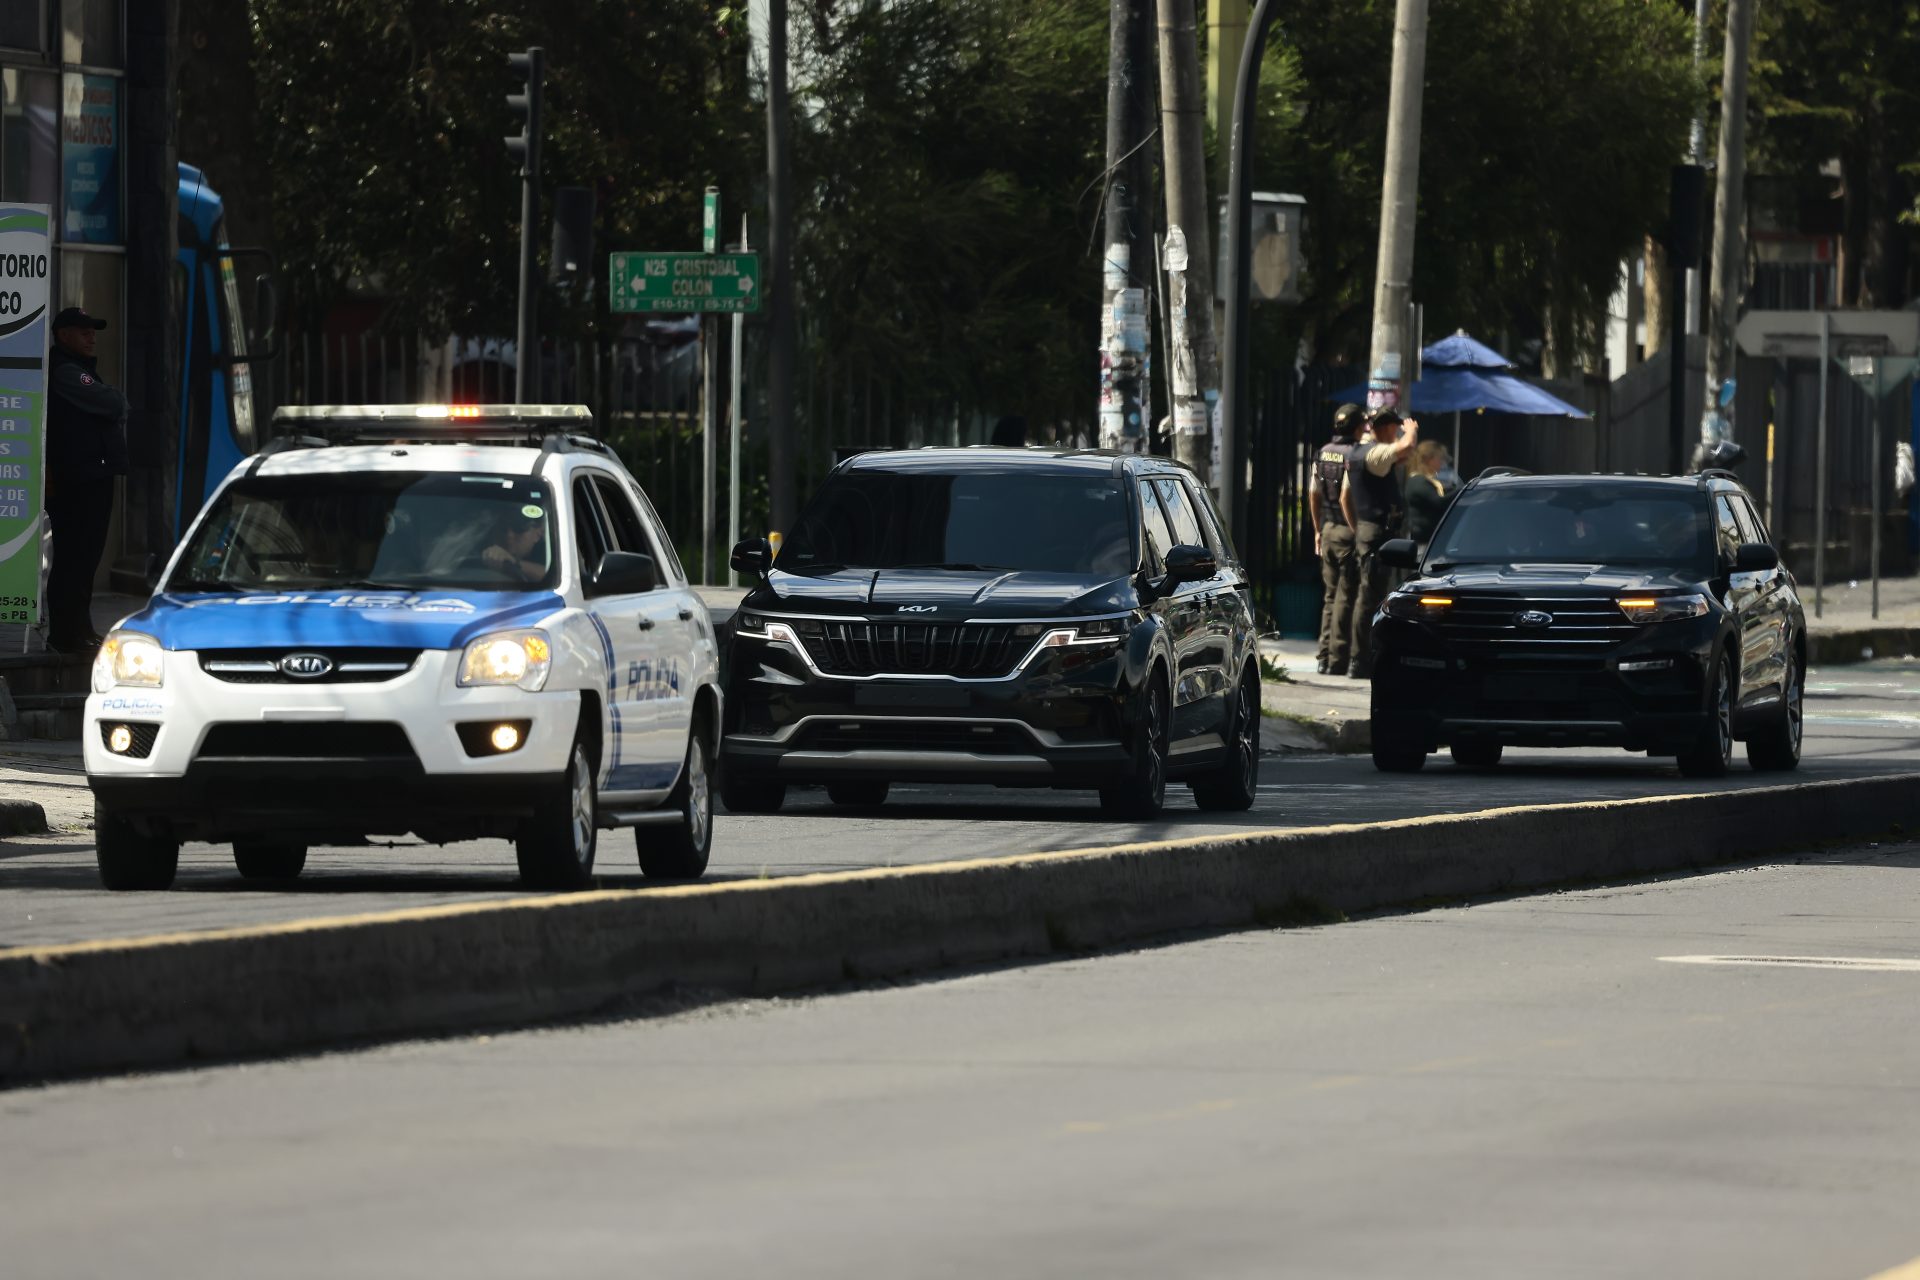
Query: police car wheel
[556,845]
[1143,792]
[130,858]
[857,794]
[679,852]
[269,860]
[1236,784]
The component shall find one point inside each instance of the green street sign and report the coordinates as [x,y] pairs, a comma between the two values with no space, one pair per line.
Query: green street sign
[685,282]
[710,221]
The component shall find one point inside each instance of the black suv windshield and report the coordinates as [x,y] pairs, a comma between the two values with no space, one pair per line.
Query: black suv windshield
[1049,522]
[1574,523]
[395,530]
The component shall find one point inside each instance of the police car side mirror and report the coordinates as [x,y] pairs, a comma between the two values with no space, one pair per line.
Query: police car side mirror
[752,556]
[1755,557]
[1399,553]
[624,573]
[1188,563]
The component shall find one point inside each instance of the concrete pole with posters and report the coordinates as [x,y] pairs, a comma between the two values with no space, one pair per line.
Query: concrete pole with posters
[1729,219]
[1123,313]
[1689,320]
[1195,378]
[1389,363]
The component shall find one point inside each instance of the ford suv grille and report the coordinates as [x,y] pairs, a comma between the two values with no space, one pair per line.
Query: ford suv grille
[1512,625]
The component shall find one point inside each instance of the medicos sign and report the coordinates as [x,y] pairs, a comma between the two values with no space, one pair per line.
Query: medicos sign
[25,277]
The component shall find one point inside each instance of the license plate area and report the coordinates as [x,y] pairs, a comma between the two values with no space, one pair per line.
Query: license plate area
[929,695]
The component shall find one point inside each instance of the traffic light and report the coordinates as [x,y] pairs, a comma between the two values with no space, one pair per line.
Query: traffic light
[525,147]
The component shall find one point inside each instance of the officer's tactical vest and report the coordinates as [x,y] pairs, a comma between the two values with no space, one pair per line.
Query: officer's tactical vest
[1328,471]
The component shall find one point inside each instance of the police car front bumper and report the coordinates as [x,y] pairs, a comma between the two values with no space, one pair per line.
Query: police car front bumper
[212,758]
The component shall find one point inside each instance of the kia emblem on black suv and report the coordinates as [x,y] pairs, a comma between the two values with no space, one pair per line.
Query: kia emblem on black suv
[1644,612]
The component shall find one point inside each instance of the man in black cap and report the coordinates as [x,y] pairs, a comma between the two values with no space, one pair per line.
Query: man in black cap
[86,449]
[1333,542]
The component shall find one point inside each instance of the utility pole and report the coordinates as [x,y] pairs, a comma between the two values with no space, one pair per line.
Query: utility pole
[1685,189]
[1234,400]
[1123,327]
[1689,319]
[526,148]
[1226,40]
[1399,203]
[1729,242]
[782,335]
[1195,375]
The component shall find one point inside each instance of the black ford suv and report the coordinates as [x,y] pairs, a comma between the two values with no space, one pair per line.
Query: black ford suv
[1007,616]
[1650,613]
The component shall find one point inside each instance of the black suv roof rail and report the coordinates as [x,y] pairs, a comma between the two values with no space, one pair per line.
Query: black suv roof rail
[1491,473]
[1719,473]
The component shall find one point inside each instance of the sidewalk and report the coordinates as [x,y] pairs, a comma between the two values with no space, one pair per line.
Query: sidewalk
[1847,631]
[1325,713]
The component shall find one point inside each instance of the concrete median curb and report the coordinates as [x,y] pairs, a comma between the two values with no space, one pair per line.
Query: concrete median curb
[152,1002]
[1861,644]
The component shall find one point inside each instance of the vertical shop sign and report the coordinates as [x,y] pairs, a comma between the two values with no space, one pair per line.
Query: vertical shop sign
[24,279]
[90,158]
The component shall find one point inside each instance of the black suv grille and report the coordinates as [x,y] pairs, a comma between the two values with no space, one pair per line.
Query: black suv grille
[350,666]
[916,735]
[875,648]
[1577,627]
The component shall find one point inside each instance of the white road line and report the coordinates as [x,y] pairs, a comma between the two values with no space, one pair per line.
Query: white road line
[1867,963]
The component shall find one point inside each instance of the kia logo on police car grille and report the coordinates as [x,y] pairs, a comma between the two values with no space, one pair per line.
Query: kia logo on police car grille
[1534,618]
[306,666]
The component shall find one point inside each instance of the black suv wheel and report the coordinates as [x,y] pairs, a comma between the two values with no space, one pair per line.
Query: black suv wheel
[1711,752]
[1143,792]
[1777,747]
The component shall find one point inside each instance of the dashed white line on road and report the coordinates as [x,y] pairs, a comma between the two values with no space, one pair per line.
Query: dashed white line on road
[1870,964]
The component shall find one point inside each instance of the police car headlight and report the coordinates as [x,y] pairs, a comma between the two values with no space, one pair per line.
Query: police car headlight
[127,657]
[520,658]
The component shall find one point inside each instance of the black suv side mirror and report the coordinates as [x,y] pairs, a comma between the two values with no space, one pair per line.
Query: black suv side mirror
[624,573]
[1399,553]
[1755,557]
[752,556]
[1189,563]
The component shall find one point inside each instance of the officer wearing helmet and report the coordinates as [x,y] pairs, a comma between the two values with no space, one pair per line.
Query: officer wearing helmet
[1374,503]
[1333,541]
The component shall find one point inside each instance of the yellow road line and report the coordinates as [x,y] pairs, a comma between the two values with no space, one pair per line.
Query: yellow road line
[1905,1271]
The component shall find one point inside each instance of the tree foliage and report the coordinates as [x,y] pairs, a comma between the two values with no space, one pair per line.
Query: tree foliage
[384,123]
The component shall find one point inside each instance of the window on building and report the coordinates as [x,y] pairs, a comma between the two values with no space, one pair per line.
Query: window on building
[23,26]
[90,33]
[29,136]
[90,159]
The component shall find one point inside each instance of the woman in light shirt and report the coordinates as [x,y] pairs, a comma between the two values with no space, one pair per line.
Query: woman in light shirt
[1428,496]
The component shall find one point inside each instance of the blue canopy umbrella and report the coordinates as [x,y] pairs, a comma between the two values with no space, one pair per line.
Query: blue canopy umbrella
[1461,373]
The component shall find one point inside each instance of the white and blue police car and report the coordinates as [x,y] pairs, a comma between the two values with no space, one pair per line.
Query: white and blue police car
[455,622]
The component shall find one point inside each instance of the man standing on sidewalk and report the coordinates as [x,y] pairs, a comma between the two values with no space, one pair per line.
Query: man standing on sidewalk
[1333,542]
[86,449]
[1374,503]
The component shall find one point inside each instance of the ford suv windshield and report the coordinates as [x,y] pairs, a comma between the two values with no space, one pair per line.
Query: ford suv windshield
[1573,524]
[1049,522]
[382,530]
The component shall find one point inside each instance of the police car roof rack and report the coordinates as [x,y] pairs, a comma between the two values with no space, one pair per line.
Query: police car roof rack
[528,424]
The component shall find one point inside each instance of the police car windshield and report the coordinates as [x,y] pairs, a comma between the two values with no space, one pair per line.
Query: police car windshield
[968,521]
[375,530]
[1575,523]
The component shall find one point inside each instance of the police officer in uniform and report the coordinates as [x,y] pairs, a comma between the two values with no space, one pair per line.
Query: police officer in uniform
[1373,500]
[1333,541]
[86,449]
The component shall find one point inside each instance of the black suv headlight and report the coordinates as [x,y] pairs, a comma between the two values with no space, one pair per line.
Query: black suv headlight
[1663,608]
[1423,605]
[1083,641]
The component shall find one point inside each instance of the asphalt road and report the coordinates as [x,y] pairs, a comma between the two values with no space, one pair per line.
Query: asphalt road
[1861,720]
[1520,1088]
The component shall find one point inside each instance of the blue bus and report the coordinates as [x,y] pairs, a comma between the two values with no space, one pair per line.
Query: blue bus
[218,417]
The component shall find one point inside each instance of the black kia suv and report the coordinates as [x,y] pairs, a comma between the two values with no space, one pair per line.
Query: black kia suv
[1017,617]
[1650,613]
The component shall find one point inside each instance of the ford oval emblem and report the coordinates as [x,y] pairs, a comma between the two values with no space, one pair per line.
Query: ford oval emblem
[306,666]
[1535,618]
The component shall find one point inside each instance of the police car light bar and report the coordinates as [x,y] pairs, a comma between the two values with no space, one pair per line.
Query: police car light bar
[430,421]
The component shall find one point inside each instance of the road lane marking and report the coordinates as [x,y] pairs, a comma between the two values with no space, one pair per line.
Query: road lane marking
[1905,1271]
[1870,964]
